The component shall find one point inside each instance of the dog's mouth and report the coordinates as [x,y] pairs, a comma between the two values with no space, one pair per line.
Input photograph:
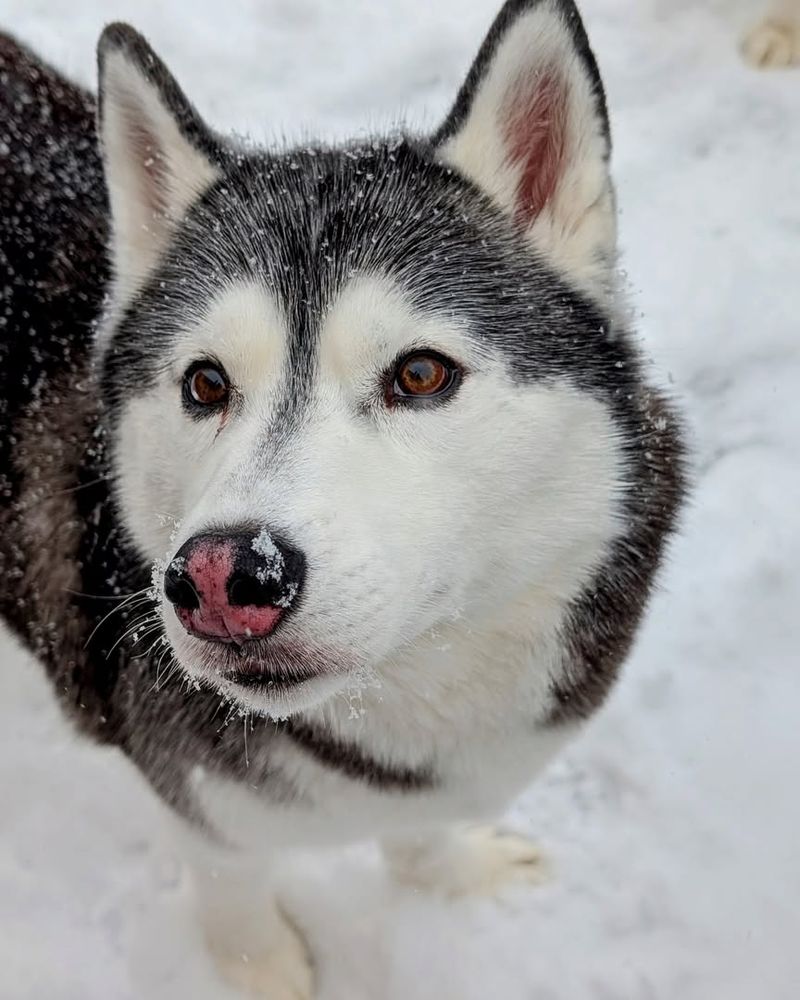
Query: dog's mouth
[274,676]
[261,676]
[277,673]
[266,675]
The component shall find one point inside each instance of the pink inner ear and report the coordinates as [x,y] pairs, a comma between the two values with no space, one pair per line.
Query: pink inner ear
[536,133]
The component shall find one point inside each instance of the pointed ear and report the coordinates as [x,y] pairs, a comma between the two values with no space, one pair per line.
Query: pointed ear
[530,128]
[159,156]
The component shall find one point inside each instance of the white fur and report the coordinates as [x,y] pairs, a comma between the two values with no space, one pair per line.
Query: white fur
[252,941]
[244,328]
[465,860]
[452,651]
[446,498]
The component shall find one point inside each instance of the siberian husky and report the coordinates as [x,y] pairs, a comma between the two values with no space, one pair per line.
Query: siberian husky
[354,440]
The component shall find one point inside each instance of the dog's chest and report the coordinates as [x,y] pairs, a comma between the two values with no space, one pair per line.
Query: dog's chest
[479,758]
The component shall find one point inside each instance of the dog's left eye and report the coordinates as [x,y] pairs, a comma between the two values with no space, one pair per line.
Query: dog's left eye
[206,385]
[425,376]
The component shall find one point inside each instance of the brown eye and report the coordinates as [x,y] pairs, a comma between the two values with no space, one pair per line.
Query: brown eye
[207,386]
[424,376]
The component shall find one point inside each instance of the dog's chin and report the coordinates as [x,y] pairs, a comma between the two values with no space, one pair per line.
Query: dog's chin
[271,679]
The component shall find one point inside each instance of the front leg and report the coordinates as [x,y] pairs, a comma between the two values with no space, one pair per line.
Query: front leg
[464,860]
[254,946]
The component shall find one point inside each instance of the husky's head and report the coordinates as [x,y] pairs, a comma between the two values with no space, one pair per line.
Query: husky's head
[360,393]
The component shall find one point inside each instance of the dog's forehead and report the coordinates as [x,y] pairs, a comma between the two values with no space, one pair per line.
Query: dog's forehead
[379,233]
[308,223]
[312,219]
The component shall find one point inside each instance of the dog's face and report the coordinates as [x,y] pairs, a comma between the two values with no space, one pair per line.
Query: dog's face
[360,393]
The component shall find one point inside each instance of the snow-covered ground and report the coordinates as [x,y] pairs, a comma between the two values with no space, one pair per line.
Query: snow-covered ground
[674,823]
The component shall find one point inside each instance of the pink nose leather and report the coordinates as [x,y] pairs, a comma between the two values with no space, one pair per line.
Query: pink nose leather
[209,568]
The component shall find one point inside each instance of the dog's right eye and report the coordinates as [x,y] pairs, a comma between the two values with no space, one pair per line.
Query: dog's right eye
[206,385]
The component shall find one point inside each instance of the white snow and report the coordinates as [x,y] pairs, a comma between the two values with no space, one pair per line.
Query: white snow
[264,546]
[674,822]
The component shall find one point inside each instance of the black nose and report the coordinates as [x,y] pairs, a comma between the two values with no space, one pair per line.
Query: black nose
[235,585]
[267,571]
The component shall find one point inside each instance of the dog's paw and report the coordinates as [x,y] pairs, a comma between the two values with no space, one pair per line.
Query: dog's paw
[477,860]
[772,44]
[283,972]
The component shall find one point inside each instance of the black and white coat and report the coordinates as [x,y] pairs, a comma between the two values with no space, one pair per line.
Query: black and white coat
[476,569]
